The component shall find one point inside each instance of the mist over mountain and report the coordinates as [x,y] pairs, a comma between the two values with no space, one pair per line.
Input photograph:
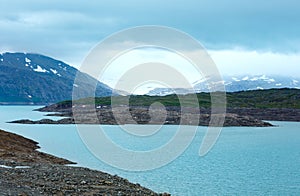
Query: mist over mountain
[37,79]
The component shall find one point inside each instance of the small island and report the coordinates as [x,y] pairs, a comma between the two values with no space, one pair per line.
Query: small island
[140,115]
[245,108]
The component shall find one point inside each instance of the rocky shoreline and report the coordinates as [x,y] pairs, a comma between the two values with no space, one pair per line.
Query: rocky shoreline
[269,114]
[17,149]
[85,114]
[26,171]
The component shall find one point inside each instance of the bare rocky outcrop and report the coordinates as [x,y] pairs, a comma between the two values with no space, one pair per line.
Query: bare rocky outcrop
[85,114]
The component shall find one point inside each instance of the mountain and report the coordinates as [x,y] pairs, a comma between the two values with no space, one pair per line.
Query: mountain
[258,82]
[236,83]
[169,91]
[37,79]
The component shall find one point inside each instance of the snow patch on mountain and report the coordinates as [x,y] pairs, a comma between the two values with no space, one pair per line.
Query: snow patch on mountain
[235,79]
[254,79]
[53,71]
[199,81]
[245,78]
[263,77]
[271,80]
[295,82]
[40,69]
[27,60]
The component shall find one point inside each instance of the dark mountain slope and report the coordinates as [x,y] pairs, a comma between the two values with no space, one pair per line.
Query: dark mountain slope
[38,79]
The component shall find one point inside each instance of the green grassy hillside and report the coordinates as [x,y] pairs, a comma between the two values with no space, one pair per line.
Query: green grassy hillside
[272,98]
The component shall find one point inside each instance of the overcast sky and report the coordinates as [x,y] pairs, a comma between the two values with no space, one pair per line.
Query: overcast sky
[256,37]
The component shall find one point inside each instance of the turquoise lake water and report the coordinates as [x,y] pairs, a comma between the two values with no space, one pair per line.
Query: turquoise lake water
[244,161]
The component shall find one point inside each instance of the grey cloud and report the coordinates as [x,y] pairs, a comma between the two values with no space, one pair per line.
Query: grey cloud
[64,29]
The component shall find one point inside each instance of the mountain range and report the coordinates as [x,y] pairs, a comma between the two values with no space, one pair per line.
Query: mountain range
[235,84]
[27,78]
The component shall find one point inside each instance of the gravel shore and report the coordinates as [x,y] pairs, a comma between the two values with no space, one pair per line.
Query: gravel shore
[46,179]
[26,171]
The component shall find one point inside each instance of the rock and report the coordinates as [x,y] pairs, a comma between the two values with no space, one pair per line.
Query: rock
[140,115]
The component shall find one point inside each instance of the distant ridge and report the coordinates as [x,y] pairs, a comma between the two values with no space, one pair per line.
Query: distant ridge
[236,83]
[27,78]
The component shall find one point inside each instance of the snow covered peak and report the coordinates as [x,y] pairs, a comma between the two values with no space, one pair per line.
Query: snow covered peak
[252,82]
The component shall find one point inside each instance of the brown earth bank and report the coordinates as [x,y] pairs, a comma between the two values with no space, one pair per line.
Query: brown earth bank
[86,114]
[25,171]
[15,148]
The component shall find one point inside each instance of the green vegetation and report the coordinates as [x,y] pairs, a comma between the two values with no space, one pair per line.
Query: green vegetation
[273,98]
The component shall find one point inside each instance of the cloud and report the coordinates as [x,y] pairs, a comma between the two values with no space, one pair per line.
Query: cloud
[63,20]
[240,62]
[61,34]
[228,62]
[67,30]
